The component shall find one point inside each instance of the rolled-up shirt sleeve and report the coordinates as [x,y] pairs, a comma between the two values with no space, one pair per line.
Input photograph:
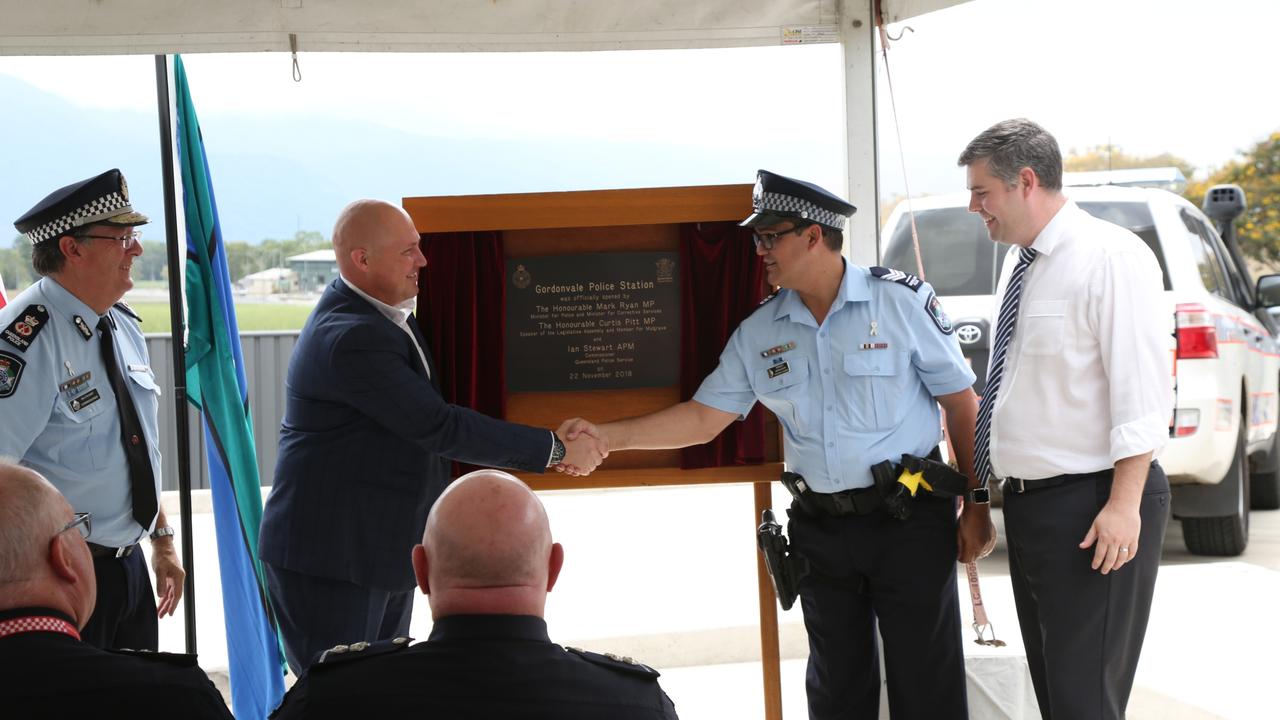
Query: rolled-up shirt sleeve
[1133,324]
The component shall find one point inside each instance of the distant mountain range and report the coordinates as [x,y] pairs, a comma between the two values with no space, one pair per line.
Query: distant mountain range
[276,175]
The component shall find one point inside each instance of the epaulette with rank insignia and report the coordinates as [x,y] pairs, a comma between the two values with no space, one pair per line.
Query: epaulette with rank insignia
[771,295]
[616,662]
[26,326]
[897,276]
[185,660]
[357,650]
[123,307]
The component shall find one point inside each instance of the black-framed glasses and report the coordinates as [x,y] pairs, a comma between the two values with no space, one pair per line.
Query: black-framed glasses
[128,240]
[83,522]
[767,240]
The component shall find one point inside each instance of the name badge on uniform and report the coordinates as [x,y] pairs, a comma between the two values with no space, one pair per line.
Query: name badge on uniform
[85,400]
[780,369]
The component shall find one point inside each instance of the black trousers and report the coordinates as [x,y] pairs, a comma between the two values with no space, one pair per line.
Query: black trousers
[318,613]
[125,613]
[1083,630]
[902,574]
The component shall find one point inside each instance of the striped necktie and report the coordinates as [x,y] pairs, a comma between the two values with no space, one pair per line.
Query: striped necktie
[995,372]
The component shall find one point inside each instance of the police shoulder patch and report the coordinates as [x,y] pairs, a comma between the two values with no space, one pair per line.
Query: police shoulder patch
[357,650]
[616,662]
[897,276]
[10,373]
[934,307]
[26,326]
[123,307]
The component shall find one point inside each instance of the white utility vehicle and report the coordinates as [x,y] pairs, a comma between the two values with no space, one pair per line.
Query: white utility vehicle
[1222,455]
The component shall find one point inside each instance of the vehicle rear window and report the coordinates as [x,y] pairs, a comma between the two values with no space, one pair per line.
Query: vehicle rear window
[960,259]
[1136,216]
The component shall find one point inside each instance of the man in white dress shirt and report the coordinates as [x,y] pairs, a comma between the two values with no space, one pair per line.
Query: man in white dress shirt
[1077,407]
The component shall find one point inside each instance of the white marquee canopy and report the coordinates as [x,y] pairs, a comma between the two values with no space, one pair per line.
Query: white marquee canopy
[147,27]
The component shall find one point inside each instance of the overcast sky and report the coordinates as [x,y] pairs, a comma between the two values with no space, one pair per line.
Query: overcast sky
[1194,78]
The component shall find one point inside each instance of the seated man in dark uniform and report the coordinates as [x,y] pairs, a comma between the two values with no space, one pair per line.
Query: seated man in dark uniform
[486,563]
[47,593]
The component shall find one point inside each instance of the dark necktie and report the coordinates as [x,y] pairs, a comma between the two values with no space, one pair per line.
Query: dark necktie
[1008,318]
[141,477]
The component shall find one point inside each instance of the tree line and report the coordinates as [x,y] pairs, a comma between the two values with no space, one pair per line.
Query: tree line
[153,265]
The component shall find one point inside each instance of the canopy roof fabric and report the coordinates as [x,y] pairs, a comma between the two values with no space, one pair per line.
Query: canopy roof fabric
[98,27]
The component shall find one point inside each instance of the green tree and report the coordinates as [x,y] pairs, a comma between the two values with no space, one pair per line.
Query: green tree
[1257,172]
[1111,157]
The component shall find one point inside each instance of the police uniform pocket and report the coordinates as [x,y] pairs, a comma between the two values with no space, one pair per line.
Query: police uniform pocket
[83,428]
[1042,326]
[782,388]
[873,387]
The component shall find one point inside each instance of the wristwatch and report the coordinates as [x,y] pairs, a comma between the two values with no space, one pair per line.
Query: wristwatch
[160,532]
[980,495]
[557,450]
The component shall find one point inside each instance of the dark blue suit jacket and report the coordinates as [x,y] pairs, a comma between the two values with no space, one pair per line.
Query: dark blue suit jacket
[365,448]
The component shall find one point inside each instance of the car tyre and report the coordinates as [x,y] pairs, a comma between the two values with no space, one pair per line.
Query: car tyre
[1224,536]
[1265,486]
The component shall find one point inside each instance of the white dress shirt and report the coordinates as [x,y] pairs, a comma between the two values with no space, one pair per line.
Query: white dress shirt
[1088,373]
[398,314]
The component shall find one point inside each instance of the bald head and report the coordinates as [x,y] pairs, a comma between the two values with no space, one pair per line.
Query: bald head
[378,250]
[487,548]
[38,564]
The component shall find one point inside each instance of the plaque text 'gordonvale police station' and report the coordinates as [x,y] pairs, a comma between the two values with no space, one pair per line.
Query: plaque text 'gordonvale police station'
[593,322]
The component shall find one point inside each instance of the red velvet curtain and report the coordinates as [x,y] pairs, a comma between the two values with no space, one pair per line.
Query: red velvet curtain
[721,283]
[462,313]
[462,303]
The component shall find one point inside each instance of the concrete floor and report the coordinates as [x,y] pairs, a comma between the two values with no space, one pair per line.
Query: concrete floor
[668,576]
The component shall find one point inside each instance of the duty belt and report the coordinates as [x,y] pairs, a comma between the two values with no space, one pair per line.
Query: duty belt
[862,501]
[101,551]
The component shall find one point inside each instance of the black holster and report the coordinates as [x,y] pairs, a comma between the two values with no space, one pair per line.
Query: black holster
[786,568]
[944,481]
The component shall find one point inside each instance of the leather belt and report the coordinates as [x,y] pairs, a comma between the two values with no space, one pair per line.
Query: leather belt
[101,551]
[862,501]
[1018,486]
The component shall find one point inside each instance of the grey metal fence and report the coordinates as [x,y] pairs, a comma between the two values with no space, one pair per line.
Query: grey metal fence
[266,360]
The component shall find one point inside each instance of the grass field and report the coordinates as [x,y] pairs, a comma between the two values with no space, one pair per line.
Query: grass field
[249,316]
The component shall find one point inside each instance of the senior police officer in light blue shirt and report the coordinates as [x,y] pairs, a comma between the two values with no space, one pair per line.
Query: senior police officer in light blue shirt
[854,362]
[79,402]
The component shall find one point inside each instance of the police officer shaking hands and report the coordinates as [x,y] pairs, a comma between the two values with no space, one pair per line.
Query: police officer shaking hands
[854,361]
[79,403]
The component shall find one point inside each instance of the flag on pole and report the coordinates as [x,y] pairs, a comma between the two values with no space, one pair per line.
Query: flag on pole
[216,386]
[4,299]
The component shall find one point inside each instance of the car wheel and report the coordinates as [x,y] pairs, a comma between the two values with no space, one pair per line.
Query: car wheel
[1265,486]
[1224,536]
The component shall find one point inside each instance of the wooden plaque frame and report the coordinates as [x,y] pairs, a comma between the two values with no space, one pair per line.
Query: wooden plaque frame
[641,220]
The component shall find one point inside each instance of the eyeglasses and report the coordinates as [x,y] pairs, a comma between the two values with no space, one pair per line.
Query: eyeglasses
[128,240]
[767,240]
[82,522]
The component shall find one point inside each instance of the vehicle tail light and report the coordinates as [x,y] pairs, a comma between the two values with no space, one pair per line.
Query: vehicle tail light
[1197,335]
[1185,422]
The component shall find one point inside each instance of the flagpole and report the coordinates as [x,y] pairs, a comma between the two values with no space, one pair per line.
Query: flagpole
[179,359]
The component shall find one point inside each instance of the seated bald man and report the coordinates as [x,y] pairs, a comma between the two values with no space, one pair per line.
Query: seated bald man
[47,593]
[486,564]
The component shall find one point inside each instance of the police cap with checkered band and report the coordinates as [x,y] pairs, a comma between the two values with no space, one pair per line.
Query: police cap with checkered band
[100,200]
[776,199]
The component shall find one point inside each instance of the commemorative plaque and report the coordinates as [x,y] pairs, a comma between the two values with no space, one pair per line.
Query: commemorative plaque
[597,321]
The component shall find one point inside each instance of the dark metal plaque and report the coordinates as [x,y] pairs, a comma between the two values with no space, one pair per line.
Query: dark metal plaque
[598,321]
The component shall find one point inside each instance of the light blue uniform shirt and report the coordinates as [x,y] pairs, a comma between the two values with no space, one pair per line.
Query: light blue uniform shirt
[57,410]
[854,391]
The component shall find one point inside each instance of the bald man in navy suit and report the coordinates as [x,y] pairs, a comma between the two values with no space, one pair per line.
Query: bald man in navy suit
[366,445]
